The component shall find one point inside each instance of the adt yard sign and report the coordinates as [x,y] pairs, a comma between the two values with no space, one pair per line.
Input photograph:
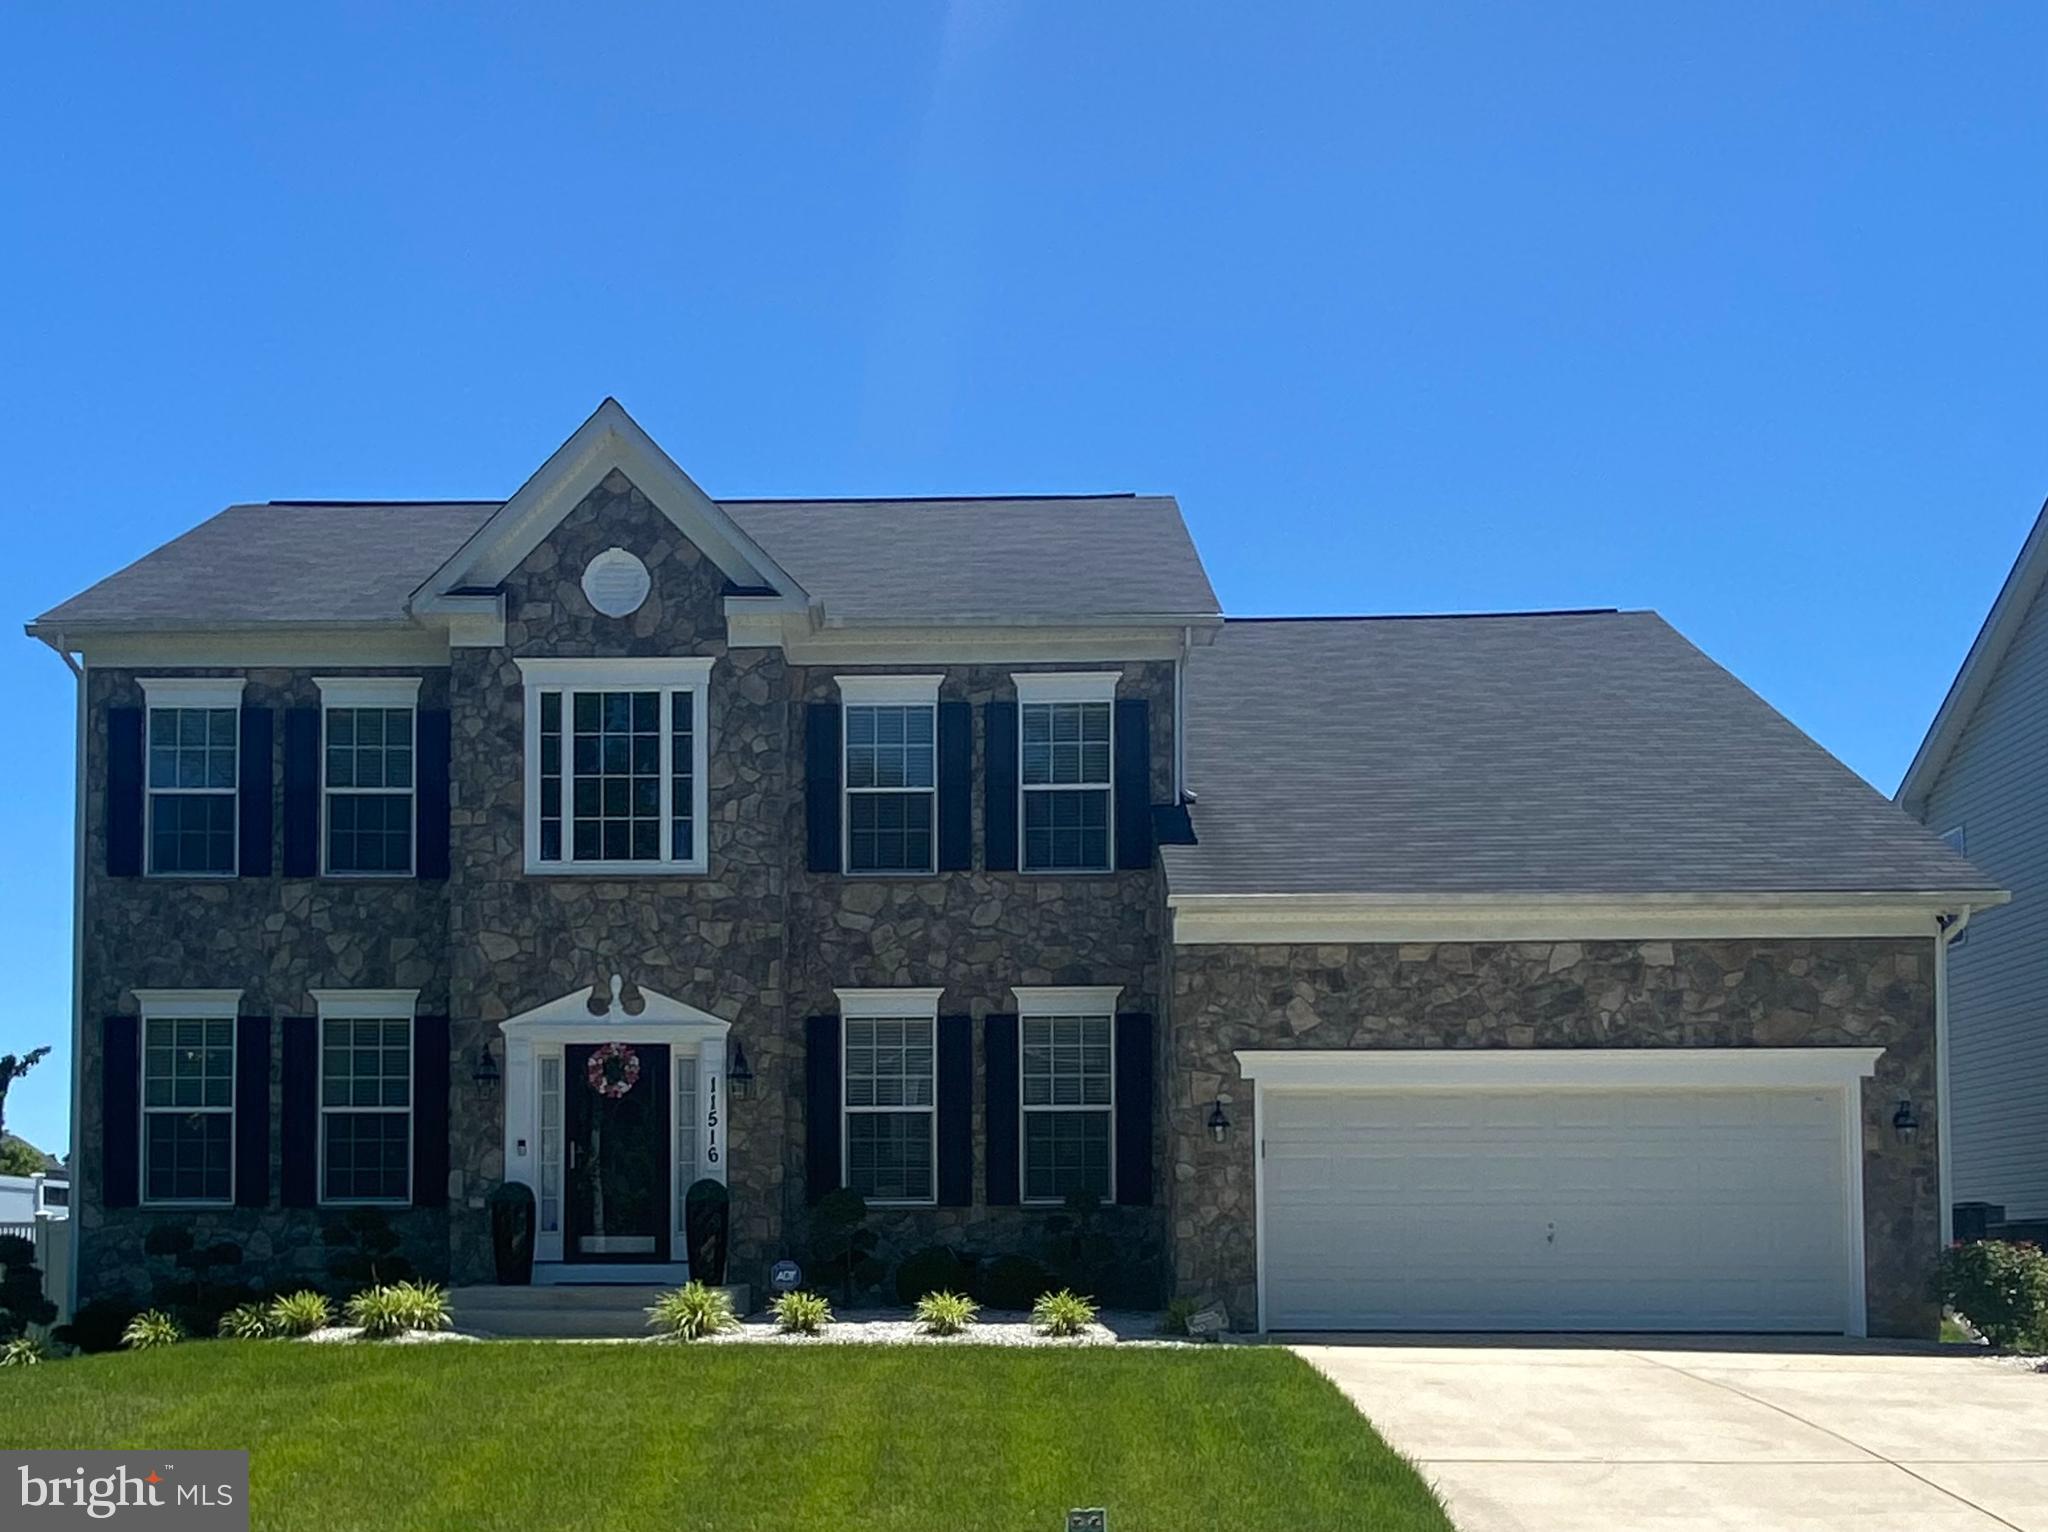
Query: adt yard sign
[1096,1520]
[785,1276]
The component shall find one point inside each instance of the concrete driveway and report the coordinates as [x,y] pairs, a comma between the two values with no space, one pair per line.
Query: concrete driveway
[1550,1434]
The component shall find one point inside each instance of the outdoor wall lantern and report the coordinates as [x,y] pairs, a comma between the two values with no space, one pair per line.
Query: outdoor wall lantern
[1905,1122]
[739,1074]
[1219,1124]
[486,1072]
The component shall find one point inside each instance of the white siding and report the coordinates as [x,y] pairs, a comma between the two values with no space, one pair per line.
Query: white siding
[1995,789]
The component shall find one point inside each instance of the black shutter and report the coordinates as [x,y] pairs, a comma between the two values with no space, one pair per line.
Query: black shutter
[999,781]
[253,800]
[431,857]
[1134,1108]
[124,794]
[999,1108]
[956,1111]
[252,1101]
[821,786]
[1133,784]
[120,1112]
[302,792]
[298,1118]
[956,787]
[821,1105]
[430,1111]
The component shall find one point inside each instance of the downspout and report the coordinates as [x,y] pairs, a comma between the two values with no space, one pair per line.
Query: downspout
[1949,928]
[75,1162]
[1180,733]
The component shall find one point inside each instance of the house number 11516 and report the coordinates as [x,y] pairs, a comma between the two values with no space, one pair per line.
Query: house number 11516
[711,1121]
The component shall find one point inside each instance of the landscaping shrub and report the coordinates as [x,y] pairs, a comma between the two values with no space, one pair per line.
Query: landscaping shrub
[692,1312]
[842,1245]
[150,1329]
[21,1289]
[801,1313]
[300,1313]
[192,1288]
[23,1351]
[1013,1282]
[944,1313]
[934,1269]
[397,1307]
[2001,1288]
[1062,1313]
[1178,1312]
[98,1325]
[246,1321]
[366,1249]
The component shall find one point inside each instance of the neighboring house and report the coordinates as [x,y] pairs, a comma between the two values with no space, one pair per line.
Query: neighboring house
[23,1197]
[1978,781]
[1501,972]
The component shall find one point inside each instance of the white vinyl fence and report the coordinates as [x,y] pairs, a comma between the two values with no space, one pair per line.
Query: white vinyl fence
[52,1239]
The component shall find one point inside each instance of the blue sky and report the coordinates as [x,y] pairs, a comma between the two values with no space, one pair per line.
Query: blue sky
[1736,312]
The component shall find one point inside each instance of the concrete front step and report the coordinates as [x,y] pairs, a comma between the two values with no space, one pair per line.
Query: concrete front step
[611,1311]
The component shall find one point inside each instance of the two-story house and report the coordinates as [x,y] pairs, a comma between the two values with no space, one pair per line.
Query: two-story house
[1502,972]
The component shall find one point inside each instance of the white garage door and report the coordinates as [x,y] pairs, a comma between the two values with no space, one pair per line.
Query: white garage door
[1555,1210]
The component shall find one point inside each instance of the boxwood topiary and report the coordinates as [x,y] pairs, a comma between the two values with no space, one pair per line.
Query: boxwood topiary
[1013,1282]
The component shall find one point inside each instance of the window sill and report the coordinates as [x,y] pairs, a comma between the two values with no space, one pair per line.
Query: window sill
[186,1203]
[876,1202]
[1067,872]
[617,869]
[370,877]
[365,1202]
[191,877]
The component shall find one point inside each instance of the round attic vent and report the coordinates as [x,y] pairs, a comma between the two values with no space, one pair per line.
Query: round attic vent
[616,582]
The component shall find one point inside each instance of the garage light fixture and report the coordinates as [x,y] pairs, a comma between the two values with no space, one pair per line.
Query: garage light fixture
[1905,1122]
[486,1072]
[739,1075]
[1219,1124]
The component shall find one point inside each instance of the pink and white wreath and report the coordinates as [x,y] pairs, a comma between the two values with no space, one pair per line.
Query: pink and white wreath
[614,1069]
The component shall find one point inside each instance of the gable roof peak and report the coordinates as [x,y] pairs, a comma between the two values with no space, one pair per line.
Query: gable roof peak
[610,441]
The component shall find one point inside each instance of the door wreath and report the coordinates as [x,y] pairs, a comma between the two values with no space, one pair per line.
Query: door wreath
[614,1069]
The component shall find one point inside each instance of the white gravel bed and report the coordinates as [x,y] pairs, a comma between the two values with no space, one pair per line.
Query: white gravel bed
[995,1327]
[335,1334]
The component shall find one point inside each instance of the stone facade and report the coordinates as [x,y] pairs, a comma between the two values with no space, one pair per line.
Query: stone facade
[1593,994]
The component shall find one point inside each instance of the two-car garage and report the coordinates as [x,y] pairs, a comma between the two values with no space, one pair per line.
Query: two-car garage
[1625,1189]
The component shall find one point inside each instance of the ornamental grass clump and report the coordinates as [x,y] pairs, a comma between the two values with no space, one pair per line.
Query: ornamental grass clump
[945,1313]
[1062,1313]
[247,1321]
[23,1351]
[693,1311]
[1178,1312]
[300,1313]
[150,1329]
[397,1309]
[801,1313]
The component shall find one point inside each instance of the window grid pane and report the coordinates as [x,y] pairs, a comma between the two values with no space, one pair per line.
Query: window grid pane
[366,1107]
[889,1084]
[188,1074]
[1065,767]
[550,1144]
[369,777]
[891,776]
[682,775]
[1068,1090]
[550,776]
[192,776]
[686,1133]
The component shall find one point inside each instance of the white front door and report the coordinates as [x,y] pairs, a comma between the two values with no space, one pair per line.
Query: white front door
[1559,1209]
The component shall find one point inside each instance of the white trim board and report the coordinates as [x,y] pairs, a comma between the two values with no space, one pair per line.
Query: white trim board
[1231,919]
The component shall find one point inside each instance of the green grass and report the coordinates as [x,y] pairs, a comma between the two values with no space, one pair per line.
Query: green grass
[512,1437]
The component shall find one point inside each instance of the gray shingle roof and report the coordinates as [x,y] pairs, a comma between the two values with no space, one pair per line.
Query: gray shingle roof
[1050,560]
[257,564]
[1595,753]
[1019,560]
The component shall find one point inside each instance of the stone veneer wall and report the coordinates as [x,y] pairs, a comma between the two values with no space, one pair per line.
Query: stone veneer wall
[1593,994]
[274,939]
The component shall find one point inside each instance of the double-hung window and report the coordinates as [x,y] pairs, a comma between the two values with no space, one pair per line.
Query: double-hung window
[1067,1075]
[193,749]
[188,1095]
[1064,739]
[890,1075]
[891,772]
[367,755]
[366,1094]
[615,765]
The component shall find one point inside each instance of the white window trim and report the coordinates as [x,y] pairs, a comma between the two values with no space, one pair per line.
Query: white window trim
[888,1005]
[189,692]
[1043,1001]
[690,673]
[371,692]
[185,1005]
[1038,688]
[886,691]
[365,1005]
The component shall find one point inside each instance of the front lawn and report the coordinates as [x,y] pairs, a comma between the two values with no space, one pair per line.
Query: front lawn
[530,1437]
